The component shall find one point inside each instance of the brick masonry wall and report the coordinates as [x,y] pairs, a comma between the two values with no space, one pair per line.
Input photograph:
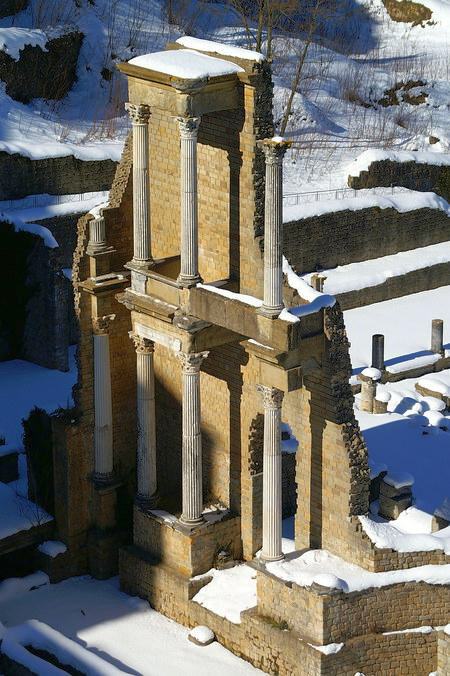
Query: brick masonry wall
[423,177]
[22,176]
[344,237]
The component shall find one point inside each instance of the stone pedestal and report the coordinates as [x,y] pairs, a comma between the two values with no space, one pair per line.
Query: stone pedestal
[142,257]
[146,442]
[103,437]
[272,503]
[192,439]
[189,274]
[274,151]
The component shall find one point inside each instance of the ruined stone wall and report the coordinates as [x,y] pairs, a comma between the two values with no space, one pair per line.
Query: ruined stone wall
[412,175]
[431,277]
[48,74]
[344,237]
[67,175]
[336,616]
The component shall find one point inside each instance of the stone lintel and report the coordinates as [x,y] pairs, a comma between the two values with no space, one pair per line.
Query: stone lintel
[243,319]
[275,376]
[182,96]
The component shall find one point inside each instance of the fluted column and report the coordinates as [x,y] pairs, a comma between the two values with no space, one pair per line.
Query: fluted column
[272,505]
[274,151]
[142,254]
[97,236]
[192,440]
[146,420]
[103,437]
[189,275]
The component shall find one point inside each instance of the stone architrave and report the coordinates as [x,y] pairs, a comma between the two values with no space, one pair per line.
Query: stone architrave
[142,255]
[192,478]
[103,433]
[272,503]
[274,151]
[146,421]
[189,274]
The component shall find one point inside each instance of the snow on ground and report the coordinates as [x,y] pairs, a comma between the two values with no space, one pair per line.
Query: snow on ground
[402,441]
[24,385]
[14,39]
[122,630]
[405,323]
[18,513]
[365,159]
[368,273]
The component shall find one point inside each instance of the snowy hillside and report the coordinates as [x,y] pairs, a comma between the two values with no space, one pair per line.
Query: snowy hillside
[367,82]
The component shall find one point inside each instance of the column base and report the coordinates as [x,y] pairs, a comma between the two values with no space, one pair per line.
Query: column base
[140,265]
[191,522]
[188,281]
[99,249]
[108,480]
[270,559]
[145,503]
[271,312]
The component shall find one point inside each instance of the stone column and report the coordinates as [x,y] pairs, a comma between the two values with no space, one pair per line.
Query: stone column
[378,351]
[146,421]
[142,256]
[274,151]
[97,236]
[437,336]
[103,438]
[272,506]
[189,275]
[192,439]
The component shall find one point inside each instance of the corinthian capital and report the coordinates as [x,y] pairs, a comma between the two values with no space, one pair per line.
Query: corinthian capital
[142,345]
[191,361]
[101,325]
[274,149]
[139,113]
[271,396]
[188,126]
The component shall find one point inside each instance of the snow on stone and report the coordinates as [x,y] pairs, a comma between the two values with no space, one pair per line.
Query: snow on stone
[371,372]
[25,385]
[435,418]
[33,228]
[411,364]
[407,200]
[405,323]
[443,510]
[285,315]
[15,586]
[399,479]
[316,299]
[383,395]
[390,535]
[219,48]
[13,39]
[329,648]
[435,384]
[434,404]
[229,593]
[363,161]
[52,548]
[67,652]
[202,634]
[304,568]
[364,274]
[124,630]
[186,64]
